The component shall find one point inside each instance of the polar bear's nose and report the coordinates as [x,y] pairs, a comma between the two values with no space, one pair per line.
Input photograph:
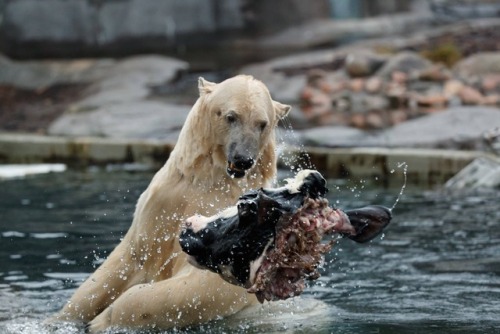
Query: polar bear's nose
[242,162]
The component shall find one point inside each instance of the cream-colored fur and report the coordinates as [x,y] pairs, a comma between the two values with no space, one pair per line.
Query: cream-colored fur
[146,281]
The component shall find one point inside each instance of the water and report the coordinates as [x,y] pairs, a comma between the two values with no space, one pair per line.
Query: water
[435,270]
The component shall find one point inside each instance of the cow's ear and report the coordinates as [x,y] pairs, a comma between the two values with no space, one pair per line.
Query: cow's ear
[281,109]
[247,211]
[269,210]
[205,86]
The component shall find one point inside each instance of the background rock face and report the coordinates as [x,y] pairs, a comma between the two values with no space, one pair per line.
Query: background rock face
[106,98]
[457,128]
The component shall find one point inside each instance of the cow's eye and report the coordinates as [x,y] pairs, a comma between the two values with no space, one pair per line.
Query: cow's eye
[262,125]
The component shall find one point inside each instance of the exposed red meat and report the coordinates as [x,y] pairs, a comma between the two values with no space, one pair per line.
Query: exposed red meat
[298,249]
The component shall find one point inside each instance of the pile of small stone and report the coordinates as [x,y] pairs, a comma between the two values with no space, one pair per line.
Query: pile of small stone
[374,91]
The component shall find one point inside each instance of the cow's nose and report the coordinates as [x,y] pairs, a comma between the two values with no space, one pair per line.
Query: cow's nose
[242,162]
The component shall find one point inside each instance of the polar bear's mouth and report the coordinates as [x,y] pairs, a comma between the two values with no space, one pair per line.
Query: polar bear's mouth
[234,171]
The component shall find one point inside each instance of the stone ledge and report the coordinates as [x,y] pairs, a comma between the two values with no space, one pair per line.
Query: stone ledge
[29,148]
[425,167]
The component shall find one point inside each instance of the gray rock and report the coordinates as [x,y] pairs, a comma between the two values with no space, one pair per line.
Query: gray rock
[481,173]
[458,128]
[285,89]
[116,105]
[141,119]
[363,63]
[333,136]
[479,64]
[407,62]
[141,70]
[41,74]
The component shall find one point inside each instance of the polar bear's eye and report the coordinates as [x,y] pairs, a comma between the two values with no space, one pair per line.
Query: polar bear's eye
[262,125]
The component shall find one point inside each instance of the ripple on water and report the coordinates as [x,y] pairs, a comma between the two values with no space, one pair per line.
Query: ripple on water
[48,235]
[435,270]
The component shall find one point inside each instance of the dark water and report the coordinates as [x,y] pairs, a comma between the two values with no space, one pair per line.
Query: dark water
[436,270]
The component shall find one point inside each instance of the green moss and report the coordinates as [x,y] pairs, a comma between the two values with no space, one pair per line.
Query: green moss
[446,53]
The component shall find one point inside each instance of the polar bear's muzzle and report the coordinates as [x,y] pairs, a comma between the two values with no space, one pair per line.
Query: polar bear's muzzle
[242,152]
[238,168]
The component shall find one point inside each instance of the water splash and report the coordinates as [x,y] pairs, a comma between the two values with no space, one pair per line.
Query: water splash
[297,161]
[404,166]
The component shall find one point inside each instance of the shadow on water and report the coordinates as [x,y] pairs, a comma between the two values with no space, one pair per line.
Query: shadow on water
[435,270]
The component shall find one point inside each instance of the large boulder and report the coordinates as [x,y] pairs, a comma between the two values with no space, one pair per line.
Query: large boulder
[481,173]
[36,75]
[139,119]
[119,104]
[479,64]
[456,128]
[405,62]
[334,136]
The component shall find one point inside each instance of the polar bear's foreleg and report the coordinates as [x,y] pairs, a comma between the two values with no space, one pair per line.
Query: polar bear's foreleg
[194,296]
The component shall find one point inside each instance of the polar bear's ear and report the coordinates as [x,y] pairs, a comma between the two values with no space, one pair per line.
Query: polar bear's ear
[281,109]
[205,86]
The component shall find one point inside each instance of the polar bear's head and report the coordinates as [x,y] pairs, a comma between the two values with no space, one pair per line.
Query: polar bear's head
[242,119]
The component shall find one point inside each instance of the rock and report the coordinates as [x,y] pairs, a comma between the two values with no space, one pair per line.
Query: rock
[481,173]
[358,121]
[115,104]
[315,76]
[433,100]
[434,73]
[406,62]
[362,64]
[470,96]
[457,128]
[491,83]
[35,75]
[356,85]
[397,96]
[332,136]
[399,77]
[373,85]
[491,100]
[492,140]
[397,116]
[120,93]
[140,119]
[146,70]
[286,88]
[376,120]
[318,103]
[452,88]
[479,64]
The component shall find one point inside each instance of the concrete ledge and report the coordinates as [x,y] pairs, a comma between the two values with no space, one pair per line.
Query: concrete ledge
[28,148]
[423,167]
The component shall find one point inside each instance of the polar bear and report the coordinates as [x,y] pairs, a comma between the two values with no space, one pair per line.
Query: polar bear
[226,146]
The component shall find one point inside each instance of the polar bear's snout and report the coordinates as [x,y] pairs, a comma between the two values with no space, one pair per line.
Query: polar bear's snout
[241,156]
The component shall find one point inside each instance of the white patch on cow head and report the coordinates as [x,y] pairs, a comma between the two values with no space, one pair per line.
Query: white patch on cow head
[199,222]
[255,264]
[228,212]
[293,185]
